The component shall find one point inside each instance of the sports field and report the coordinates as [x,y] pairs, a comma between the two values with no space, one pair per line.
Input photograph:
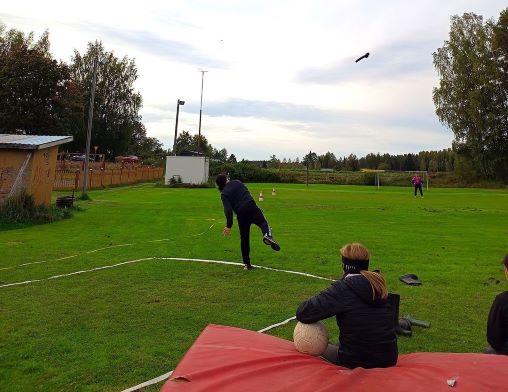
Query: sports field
[71,325]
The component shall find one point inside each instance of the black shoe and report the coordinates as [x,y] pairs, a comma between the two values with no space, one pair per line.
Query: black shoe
[247,267]
[268,240]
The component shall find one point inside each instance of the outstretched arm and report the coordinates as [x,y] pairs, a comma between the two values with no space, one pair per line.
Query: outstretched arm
[228,211]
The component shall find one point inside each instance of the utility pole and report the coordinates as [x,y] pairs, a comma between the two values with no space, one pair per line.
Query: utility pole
[89,130]
[200,108]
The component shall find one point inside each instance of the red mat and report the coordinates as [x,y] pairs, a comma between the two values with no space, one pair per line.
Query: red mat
[228,359]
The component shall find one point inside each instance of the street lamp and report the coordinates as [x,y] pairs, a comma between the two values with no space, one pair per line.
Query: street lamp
[200,108]
[178,103]
[90,119]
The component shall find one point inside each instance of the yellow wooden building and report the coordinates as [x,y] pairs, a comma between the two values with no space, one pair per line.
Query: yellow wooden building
[28,162]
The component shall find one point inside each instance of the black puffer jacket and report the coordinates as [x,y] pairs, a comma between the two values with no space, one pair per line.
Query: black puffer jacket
[235,196]
[497,325]
[367,336]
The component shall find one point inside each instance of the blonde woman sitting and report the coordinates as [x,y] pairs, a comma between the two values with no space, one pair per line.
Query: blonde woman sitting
[359,303]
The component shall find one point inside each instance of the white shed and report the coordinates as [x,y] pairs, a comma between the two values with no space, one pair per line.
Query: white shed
[190,170]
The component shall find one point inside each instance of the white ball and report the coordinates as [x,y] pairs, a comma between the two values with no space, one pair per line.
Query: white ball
[311,339]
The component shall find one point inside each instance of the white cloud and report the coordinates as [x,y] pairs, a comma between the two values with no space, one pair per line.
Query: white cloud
[291,63]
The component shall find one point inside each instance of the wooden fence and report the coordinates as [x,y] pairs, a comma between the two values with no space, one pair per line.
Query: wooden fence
[73,179]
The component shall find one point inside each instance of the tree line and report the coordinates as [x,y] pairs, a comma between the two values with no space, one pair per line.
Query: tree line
[42,96]
[434,161]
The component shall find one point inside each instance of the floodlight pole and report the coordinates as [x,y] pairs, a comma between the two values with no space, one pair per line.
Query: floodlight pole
[89,130]
[200,108]
[178,103]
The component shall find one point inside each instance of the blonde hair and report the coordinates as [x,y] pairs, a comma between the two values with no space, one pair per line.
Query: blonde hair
[356,251]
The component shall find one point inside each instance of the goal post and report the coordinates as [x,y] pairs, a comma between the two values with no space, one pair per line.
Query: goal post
[398,177]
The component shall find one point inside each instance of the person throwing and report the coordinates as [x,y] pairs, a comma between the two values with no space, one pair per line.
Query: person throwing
[236,198]
[417,181]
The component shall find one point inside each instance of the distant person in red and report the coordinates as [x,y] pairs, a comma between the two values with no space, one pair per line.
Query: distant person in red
[417,181]
[497,324]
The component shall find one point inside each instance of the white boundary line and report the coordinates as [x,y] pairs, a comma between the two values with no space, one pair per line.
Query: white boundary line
[162,258]
[167,375]
[155,380]
[100,249]
[110,247]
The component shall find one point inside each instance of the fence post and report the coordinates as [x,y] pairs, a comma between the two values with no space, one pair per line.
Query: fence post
[90,184]
[76,180]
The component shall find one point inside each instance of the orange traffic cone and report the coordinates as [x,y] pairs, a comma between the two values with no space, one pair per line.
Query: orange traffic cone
[273,192]
[261,197]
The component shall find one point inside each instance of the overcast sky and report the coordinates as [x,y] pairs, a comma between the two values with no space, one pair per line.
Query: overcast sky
[282,77]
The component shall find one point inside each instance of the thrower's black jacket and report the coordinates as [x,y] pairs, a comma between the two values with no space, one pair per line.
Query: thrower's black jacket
[235,196]
[367,335]
[497,324]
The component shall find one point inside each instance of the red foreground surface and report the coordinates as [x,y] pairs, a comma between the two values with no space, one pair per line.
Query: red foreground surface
[232,359]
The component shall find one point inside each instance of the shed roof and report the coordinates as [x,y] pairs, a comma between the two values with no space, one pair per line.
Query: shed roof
[31,142]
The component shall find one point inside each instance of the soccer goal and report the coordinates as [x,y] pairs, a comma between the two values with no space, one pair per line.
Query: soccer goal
[399,178]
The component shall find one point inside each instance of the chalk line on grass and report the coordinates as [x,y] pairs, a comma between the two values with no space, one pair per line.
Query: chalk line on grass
[100,249]
[165,376]
[109,247]
[263,330]
[20,283]
[77,272]
[38,262]
[196,235]
[145,384]
[162,258]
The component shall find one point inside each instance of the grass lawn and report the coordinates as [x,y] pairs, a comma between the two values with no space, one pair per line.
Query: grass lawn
[111,328]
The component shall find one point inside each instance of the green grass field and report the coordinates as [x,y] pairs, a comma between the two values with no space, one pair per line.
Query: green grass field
[109,329]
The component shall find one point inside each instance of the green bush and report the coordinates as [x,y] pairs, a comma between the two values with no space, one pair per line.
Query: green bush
[21,208]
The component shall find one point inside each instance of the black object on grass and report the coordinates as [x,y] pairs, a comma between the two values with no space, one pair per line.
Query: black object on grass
[410,279]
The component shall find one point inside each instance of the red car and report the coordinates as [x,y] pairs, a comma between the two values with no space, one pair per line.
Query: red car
[128,159]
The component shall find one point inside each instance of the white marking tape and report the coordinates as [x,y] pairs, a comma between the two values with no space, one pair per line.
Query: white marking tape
[38,262]
[293,272]
[164,377]
[97,250]
[200,260]
[164,258]
[195,235]
[109,247]
[149,382]
[20,283]
[167,375]
[61,258]
[76,273]
[277,325]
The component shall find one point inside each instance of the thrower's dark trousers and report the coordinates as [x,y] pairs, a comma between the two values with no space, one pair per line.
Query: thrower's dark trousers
[247,216]
[419,187]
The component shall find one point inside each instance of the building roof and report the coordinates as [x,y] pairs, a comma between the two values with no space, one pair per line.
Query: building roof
[31,142]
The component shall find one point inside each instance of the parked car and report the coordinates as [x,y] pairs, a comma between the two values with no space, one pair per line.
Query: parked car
[82,157]
[128,159]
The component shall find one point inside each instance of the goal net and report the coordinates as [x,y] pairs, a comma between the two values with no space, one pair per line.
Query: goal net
[399,178]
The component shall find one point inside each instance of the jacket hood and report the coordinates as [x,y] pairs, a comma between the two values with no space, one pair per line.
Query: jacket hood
[362,288]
